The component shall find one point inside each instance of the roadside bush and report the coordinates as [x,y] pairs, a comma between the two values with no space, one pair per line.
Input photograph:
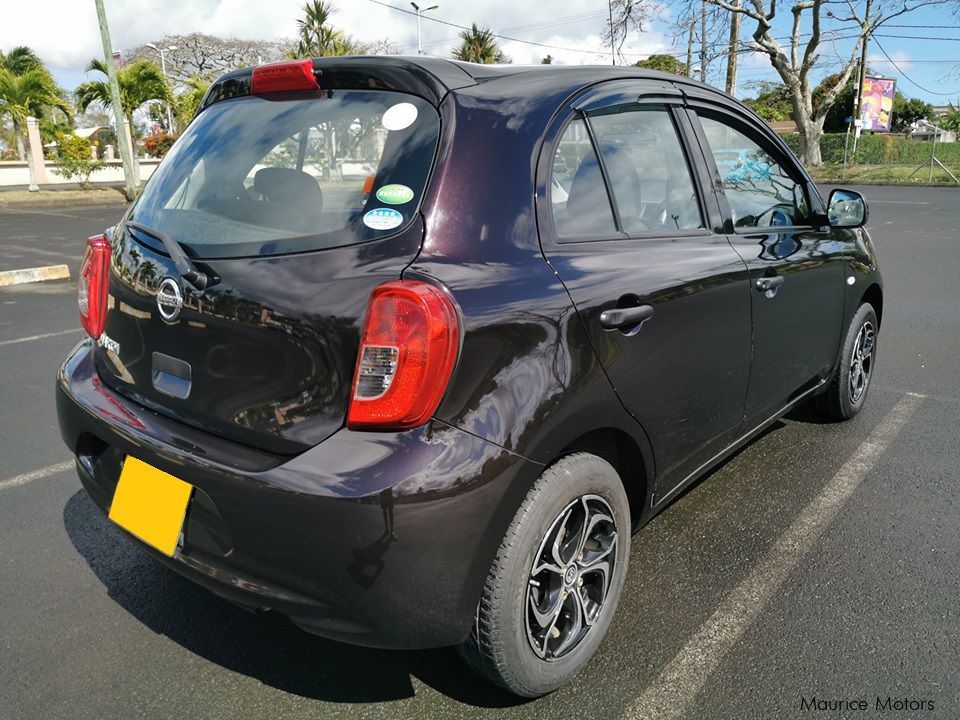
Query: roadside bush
[880,149]
[159,143]
[75,161]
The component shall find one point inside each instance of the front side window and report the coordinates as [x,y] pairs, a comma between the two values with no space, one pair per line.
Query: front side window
[578,195]
[265,176]
[647,169]
[760,191]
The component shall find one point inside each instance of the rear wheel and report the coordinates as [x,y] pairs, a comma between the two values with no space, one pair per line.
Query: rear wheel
[556,580]
[848,387]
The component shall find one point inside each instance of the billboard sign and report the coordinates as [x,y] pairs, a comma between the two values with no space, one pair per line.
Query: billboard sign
[877,108]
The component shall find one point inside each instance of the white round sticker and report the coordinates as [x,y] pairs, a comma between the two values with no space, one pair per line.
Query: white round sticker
[399,116]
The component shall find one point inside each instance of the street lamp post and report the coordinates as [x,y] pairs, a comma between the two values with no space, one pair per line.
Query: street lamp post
[421,10]
[163,68]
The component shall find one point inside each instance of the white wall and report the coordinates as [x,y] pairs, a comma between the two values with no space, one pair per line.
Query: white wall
[17,173]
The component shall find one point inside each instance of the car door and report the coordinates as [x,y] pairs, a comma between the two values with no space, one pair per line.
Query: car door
[775,221]
[664,297]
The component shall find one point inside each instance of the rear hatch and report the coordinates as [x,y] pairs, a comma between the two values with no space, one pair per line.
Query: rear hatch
[294,205]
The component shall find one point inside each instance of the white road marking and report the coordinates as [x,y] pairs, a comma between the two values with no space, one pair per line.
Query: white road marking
[39,337]
[36,475]
[673,692]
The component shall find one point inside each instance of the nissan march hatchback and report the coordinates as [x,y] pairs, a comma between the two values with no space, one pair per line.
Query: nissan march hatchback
[406,349]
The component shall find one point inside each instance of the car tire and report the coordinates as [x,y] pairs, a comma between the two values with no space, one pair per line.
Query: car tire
[848,387]
[525,637]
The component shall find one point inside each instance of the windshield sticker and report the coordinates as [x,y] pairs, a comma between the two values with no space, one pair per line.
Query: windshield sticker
[399,116]
[383,219]
[394,194]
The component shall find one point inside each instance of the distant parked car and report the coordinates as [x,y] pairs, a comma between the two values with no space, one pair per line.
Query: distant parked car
[428,405]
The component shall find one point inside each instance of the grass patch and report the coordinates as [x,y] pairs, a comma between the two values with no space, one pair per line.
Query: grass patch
[883,174]
[51,198]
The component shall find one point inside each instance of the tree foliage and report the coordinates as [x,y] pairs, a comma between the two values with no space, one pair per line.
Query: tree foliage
[950,120]
[318,38]
[75,159]
[478,45]
[140,82]
[772,103]
[665,63]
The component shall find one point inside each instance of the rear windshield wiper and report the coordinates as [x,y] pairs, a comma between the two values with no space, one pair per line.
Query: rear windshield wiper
[184,264]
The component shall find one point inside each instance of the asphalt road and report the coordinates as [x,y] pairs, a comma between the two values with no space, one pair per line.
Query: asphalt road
[821,561]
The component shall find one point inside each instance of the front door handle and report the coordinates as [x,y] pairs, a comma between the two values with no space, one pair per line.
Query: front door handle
[769,283]
[623,317]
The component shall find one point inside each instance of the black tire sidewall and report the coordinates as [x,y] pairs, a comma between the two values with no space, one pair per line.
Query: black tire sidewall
[848,407]
[571,477]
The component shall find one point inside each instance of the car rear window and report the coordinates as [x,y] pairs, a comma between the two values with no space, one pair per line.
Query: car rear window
[266,176]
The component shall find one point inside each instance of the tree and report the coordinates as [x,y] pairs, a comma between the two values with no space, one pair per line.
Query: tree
[907,111]
[205,56]
[548,60]
[318,38]
[27,89]
[478,45]
[813,23]
[140,82]
[951,119]
[665,63]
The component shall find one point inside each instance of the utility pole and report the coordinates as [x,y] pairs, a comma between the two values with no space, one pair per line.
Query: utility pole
[613,52]
[421,10]
[126,153]
[860,79]
[690,49]
[732,52]
[703,41]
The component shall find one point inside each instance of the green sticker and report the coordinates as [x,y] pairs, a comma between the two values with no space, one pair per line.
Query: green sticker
[394,194]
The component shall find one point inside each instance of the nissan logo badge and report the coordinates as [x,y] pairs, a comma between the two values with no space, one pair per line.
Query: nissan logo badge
[169,299]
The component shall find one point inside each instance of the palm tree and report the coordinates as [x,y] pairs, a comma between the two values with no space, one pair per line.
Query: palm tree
[186,104]
[320,39]
[27,89]
[140,82]
[478,45]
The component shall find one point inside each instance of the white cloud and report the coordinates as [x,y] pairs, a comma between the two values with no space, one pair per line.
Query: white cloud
[879,63]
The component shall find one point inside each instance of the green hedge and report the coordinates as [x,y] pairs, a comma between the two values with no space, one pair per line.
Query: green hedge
[879,149]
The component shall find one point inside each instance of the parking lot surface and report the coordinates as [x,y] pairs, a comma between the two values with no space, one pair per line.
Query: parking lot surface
[819,562]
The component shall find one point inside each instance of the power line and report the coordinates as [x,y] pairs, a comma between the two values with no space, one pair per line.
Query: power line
[907,77]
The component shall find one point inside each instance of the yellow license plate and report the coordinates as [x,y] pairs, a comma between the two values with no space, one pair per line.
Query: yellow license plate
[150,504]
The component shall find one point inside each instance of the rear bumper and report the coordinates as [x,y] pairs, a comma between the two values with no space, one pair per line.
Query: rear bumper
[379,539]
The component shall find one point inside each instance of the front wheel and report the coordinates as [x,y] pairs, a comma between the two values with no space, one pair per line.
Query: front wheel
[556,579]
[848,387]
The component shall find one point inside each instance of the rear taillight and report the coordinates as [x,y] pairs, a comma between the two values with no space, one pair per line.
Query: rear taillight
[407,353]
[92,289]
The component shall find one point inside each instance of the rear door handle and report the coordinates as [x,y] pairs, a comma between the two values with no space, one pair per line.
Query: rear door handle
[769,283]
[623,317]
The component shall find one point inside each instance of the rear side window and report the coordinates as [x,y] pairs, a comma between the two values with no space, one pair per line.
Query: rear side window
[264,176]
[759,189]
[648,171]
[578,196]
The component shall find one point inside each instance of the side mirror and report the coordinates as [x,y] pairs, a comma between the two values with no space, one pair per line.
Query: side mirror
[847,209]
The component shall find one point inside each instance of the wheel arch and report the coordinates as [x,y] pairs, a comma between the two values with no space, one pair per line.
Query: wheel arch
[874,296]
[626,456]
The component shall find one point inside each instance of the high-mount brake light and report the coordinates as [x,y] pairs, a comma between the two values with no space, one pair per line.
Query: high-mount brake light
[92,285]
[407,354]
[283,76]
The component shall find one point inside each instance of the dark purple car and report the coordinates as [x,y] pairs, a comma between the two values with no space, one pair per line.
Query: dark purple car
[406,349]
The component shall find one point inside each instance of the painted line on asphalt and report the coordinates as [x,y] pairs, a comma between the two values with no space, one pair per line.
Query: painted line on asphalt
[36,274]
[36,475]
[677,686]
[40,337]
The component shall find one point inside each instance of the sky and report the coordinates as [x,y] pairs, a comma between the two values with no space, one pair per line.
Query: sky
[65,35]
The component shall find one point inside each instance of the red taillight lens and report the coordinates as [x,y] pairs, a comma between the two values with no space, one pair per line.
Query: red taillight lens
[283,76]
[92,288]
[407,352]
